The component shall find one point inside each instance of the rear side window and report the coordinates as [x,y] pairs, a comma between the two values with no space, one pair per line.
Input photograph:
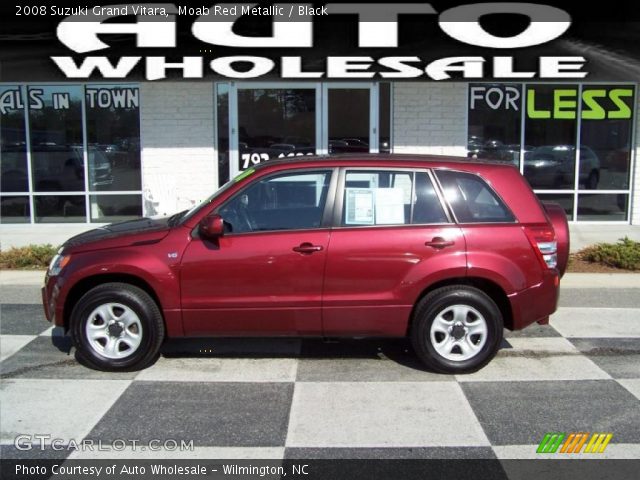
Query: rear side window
[390,198]
[471,199]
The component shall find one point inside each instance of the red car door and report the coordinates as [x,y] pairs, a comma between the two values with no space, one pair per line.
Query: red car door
[264,276]
[393,238]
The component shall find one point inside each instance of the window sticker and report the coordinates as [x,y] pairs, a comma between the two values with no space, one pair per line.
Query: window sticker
[389,206]
[360,206]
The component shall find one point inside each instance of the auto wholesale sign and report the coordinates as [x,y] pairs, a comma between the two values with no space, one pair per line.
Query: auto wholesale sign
[300,41]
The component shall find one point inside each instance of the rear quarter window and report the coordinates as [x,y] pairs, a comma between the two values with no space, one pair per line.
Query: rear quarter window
[471,199]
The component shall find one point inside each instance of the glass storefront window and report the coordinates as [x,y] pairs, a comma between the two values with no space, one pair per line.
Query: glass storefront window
[59,208]
[577,140]
[113,137]
[14,209]
[13,143]
[114,208]
[348,120]
[57,152]
[550,136]
[494,122]
[275,123]
[69,157]
[603,207]
[605,133]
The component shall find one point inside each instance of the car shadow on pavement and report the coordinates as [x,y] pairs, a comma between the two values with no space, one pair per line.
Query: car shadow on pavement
[399,351]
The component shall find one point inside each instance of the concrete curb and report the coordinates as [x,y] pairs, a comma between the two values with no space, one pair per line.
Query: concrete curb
[600,280]
[570,280]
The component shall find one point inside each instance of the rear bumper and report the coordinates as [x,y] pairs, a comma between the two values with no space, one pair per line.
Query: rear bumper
[535,304]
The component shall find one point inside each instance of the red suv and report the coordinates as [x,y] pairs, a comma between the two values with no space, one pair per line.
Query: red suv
[443,250]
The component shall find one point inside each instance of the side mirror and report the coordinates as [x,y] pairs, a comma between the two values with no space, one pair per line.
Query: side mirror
[211,227]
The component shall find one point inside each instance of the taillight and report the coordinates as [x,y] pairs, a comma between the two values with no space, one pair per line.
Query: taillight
[543,241]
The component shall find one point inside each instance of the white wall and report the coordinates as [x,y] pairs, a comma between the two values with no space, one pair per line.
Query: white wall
[430,118]
[179,164]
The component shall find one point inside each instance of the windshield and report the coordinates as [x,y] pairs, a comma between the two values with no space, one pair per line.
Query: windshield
[184,216]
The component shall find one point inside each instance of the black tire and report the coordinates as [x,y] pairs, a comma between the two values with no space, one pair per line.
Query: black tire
[433,305]
[593,180]
[149,320]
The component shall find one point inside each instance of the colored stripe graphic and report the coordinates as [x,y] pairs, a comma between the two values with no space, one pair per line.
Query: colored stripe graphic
[574,442]
[598,442]
[550,443]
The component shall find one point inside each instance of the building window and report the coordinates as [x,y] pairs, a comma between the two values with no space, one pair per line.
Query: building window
[275,123]
[60,144]
[494,122]
[14,180]
[575,142]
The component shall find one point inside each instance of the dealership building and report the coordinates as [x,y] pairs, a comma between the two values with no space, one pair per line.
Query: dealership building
[75,156]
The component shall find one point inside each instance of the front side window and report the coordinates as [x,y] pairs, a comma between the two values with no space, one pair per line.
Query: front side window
[471,199]
[292,201]
[390,198]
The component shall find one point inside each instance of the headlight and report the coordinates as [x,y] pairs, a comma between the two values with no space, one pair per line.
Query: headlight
[58,263]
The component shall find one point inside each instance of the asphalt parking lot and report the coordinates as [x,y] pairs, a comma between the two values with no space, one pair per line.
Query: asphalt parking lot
[290,398]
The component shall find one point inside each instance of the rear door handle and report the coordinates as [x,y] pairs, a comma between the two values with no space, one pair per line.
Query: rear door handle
[439,242]
[307,248]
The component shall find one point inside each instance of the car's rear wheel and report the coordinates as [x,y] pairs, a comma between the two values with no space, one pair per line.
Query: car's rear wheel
[456,329]
[117,326]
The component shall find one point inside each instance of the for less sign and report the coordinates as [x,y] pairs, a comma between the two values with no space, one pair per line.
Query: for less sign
[561,103]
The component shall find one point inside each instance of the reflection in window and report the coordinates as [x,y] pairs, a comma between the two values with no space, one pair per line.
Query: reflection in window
[57,137]
[599,207]
[113,137]
[14,209]
[57,154]
[550,136]
[115,208]
[13,146]
[348,120]
[59,209]
[606,133]
[494,122]
[275,123]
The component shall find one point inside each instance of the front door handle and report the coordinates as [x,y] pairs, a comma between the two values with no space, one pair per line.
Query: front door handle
[439,242]
[307,248]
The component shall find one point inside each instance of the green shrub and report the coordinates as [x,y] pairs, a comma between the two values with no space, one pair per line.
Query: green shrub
[625,254]
[31,256]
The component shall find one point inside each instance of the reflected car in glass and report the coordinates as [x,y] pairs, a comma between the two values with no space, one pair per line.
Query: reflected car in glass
[553,166]
[444,251]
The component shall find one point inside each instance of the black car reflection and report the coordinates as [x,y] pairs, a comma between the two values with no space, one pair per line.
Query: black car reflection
[553,166]
[55,168]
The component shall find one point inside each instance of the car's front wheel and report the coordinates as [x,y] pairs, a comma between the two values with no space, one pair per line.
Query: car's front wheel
[117,326]
[456,329]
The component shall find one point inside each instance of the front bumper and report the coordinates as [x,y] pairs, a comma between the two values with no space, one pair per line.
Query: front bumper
[50,295]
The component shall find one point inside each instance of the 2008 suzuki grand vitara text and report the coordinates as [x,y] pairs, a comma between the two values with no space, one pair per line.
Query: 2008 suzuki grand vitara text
[445,251]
